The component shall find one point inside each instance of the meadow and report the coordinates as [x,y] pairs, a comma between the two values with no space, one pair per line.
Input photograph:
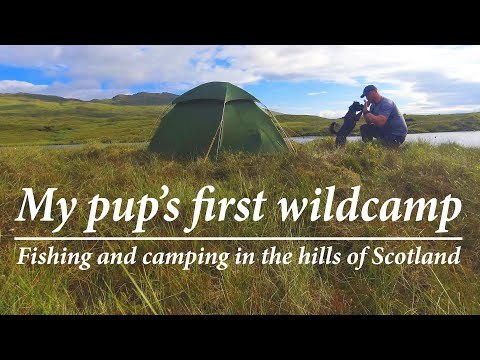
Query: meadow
[415,170]
[32,120]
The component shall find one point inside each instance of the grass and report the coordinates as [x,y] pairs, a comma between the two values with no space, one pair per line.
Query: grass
[30,120]
[415,170]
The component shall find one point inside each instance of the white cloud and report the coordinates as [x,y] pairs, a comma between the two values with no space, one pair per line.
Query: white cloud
[84,90]
[316,93]
[134,64]
[428,110]
[413,75]
[345,64]
[14,86]
[331,114]
[295,110]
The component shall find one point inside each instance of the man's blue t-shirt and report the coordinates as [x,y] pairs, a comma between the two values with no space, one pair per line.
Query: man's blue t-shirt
[395,124]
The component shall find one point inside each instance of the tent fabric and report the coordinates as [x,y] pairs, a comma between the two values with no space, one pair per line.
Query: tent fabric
[204,120]
[188,128]
[248,128]
[221,91]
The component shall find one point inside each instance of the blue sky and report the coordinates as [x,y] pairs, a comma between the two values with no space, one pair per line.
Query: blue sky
[296,79]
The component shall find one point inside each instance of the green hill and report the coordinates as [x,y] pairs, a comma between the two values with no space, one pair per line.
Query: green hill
[304,125]
[29,120]
[141,98]
[48,98]
[32,119]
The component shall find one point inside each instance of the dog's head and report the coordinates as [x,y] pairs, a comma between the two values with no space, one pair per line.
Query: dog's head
[356,106]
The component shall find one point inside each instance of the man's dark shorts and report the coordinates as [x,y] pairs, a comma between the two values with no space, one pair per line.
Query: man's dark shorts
[370,131]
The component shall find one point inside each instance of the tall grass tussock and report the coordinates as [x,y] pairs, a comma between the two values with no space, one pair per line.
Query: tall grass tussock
[415,170]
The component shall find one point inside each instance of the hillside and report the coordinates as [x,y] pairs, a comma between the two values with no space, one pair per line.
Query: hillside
[47,98]
[28,120]
[304,125]
[44,119]
[142,98]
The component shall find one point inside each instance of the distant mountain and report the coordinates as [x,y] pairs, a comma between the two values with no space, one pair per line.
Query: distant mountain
[49,98]
[141,98]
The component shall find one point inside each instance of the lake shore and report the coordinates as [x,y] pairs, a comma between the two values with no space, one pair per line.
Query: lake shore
[462,138]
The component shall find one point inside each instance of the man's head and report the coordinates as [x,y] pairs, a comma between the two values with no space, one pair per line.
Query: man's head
[371,92]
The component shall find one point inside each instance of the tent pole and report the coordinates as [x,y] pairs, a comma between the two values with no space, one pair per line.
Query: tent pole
[213,140]
[220,137]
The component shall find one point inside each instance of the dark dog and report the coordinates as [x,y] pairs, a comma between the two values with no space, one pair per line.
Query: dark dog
[349,121]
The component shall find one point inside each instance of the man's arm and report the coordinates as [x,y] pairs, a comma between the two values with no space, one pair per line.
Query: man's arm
[379,120]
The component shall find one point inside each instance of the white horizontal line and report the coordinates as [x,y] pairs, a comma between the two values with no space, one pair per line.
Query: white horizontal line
[237,238]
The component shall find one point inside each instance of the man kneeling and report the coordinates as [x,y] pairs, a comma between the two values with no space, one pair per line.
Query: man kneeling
[383,121]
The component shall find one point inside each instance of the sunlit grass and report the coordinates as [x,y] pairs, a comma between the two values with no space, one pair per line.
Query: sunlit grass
[415,170]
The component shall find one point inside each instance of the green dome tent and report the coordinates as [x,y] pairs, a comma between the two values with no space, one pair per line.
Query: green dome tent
[217,116]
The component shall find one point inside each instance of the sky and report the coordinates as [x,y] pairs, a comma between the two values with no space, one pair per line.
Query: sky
[294,79]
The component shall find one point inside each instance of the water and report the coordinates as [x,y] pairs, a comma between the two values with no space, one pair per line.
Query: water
[464,138]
